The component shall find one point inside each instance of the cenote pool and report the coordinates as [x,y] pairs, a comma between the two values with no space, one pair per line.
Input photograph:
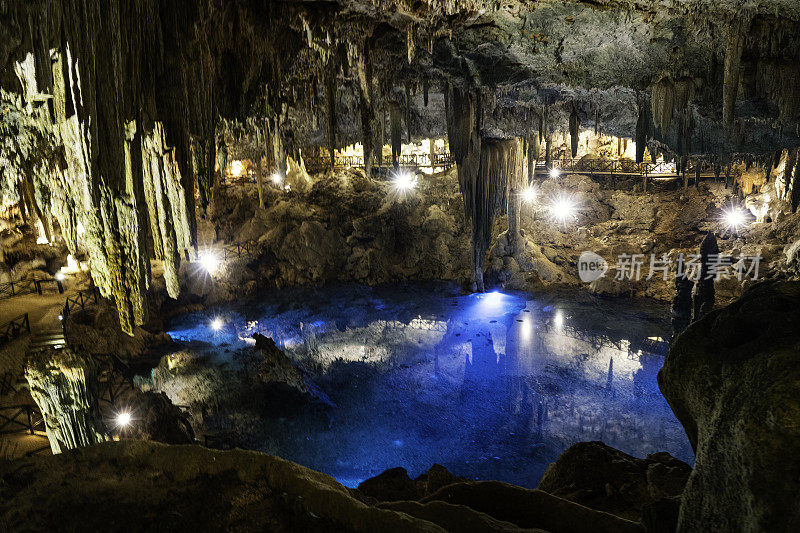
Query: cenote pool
[492,386]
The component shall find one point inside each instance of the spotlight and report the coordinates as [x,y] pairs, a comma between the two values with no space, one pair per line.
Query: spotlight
[734,218]
[554,173]
[529,194]
[217,324]
[123,419]
[276,178]
[404,181]
[236,169]
[210,262]
[562,208]
[59,276]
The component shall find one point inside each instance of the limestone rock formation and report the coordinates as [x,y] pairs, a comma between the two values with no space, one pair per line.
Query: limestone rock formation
[731,379]
[182,488]
[63,384]
[600,477]
[154,417]
[276,371]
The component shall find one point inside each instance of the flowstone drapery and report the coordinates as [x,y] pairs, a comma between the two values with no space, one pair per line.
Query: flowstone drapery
[63,384]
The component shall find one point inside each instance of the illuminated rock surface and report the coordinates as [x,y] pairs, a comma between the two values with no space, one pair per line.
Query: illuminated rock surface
[731,379]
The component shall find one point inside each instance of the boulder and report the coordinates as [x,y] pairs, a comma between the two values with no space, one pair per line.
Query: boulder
[732,380]
[154,417]
[391,485]
[601,477]
[149,486]
[528,508]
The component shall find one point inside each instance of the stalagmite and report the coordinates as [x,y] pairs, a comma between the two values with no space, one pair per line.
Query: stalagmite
[63,384]
[704,296]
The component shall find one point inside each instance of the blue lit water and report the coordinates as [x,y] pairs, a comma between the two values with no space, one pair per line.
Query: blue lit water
[492,386]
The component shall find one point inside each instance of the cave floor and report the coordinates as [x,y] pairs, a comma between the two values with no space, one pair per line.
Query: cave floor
[492,386]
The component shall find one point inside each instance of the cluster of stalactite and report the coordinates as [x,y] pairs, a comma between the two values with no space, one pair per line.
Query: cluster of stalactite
[131,121]
[491,173]
[63,384]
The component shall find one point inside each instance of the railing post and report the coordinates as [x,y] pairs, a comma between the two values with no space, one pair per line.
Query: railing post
[12,285]
[27,323]
[30,422]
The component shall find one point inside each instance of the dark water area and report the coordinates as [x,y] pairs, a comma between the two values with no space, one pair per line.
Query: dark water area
[492,386]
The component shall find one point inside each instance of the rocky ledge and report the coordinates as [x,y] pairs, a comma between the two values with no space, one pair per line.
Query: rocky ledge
[147,486]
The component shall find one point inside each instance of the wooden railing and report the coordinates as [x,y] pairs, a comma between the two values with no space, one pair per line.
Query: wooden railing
[28,286]
[319,163]
[31,419]
[238,249]
[15,328]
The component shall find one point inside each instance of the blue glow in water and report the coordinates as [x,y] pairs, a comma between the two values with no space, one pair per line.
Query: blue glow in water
[492,386]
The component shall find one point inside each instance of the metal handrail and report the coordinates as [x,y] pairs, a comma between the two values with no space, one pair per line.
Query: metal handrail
[14,328]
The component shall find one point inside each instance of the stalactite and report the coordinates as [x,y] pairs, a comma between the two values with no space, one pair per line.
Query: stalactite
[330,98]
[425,84]
[670,96]
[411,45]
[366,104]
[63,384]
[574,124]
[396,127]
[532,151]
[164,195]
[463,133]
[733,59]
[642,128]
[408,110]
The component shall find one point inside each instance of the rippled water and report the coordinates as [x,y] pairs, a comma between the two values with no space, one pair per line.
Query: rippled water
[492,386]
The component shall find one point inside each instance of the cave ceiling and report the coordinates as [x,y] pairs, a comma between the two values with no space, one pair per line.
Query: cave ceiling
[112,110]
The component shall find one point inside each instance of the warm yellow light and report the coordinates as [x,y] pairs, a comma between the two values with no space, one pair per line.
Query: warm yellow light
[554,173]
[123,419]
[529,194]
[404,181]
[562,208]
[236,168]
[209,261]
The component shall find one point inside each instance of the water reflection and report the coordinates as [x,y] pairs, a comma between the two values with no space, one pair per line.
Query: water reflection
[493,386]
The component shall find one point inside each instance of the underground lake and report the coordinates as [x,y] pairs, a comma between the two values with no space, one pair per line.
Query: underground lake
[492,386]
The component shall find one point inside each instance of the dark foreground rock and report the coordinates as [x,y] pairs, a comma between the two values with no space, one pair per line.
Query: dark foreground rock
[156,418]
[604,478]
[147,486]
[733,380]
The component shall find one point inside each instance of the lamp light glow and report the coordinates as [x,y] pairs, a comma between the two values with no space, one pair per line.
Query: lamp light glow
[217,324]
[734,218]
[210,262]
[529,194]
[563,208]
[59,276]
[404,181]
[558,319]
[276,178]
[123,419]
[236,168]
[554,173]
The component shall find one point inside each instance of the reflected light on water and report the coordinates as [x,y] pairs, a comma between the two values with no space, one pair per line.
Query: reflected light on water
[558,319]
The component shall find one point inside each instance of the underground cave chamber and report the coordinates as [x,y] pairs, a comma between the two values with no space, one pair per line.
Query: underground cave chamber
[358,265]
